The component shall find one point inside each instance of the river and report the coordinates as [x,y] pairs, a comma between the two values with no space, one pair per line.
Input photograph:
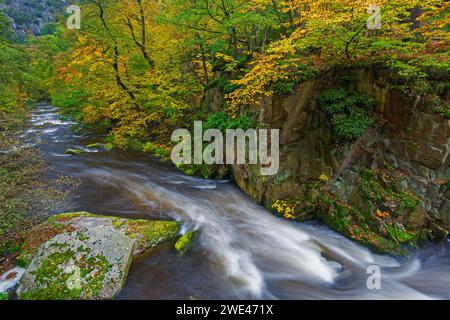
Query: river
[241,250]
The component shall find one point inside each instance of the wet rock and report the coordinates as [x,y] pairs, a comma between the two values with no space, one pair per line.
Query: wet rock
[10,279]
[438,233]
[94,145]
[416,220]
[74,151]
[444,213]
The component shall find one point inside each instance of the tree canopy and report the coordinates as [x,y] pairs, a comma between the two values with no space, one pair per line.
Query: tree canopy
[140,67]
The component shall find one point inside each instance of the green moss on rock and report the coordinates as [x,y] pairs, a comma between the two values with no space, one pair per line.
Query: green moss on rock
[379,213]
[71,268]
[399,234]
[94,145]
[146,233]
[24,260]
[85,246]
[151,233]
[184,243]
[74,151]
[70,215]
[55,280]
[350,222]
[37,236]
[382,188]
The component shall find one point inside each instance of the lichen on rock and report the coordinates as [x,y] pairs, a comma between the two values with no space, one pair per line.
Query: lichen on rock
[145,233]
[85,256]
[86,264]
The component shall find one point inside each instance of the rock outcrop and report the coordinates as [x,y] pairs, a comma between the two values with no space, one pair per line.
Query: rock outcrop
[403,156]
[33,15]
[87,264]
[84,256]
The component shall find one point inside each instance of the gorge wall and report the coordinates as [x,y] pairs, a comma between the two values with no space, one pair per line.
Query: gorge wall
[389,186]
[32,16]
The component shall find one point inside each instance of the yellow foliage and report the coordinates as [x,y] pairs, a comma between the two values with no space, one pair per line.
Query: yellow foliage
[381,214]
[334,32]
[284,209]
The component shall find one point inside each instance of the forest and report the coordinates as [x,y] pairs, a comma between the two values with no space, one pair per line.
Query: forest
[140,68]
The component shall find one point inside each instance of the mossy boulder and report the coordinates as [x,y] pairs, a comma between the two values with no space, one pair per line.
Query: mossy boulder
[85,256]
[87,264]
[36,237]
[145,233]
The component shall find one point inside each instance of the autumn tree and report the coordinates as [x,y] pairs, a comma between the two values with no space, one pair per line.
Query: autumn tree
[126,70]
[331,33]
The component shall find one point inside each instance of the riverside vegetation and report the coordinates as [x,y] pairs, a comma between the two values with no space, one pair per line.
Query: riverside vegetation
[364,114]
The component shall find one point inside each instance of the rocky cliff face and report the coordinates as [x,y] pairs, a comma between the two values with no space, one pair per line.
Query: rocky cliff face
[33,15]
[390,186]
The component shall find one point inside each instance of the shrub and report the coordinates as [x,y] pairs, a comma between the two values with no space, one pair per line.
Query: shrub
[162,151]
[351,126]
[283,88]
[333,101]
[406,72]
[298,74]
[223,121]
[222,84]
[349,113]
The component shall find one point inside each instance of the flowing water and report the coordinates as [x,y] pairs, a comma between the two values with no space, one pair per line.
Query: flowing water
[241,250]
